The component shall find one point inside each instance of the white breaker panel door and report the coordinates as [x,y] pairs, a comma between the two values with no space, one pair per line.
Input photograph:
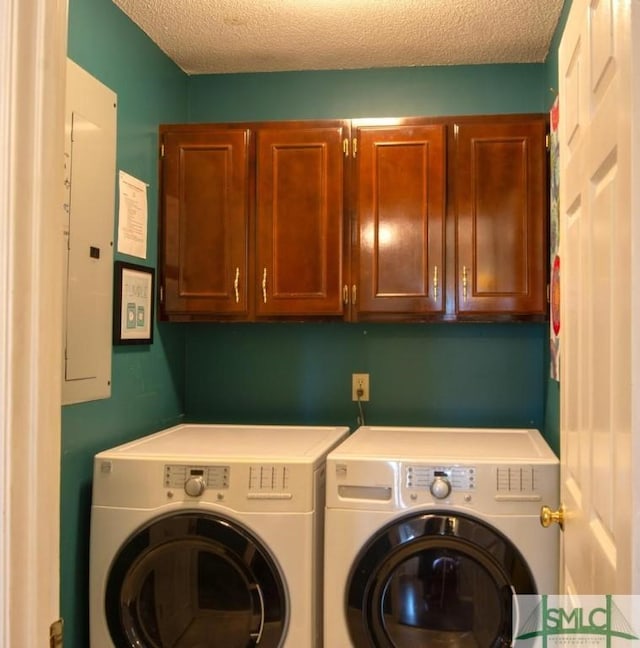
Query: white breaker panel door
[90,164]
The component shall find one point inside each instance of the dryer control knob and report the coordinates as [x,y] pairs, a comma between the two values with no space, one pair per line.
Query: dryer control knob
[194,486]
[440,488]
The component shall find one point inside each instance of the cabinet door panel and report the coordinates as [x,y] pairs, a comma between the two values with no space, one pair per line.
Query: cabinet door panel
[205,178]
[500,181]
[299,221]
[400,185]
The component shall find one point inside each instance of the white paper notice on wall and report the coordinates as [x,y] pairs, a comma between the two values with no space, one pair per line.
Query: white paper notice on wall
[132,216]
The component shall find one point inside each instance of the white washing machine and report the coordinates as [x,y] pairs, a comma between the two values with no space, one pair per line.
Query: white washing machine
[210,535]
[430,531]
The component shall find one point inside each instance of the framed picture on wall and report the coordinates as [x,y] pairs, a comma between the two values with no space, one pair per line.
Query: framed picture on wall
[133,303]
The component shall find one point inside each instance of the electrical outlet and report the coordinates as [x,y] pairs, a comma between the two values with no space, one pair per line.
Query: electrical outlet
[360,381]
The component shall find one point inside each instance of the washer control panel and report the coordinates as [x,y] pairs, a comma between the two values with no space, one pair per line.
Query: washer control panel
[440,481]
[196,479]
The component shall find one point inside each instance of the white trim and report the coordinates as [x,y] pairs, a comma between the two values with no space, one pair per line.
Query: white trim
[634,75]
[33,37]
[5,82]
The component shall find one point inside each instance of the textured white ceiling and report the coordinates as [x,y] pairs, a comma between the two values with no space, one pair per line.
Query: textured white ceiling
[221,36]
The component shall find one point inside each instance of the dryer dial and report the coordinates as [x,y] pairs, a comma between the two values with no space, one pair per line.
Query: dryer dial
[440,487]
[194,486]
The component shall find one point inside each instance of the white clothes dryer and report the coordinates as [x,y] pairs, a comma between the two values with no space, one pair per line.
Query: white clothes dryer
[210,535]
[429,533]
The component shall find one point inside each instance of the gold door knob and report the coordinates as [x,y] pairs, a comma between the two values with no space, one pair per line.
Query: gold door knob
[549,517]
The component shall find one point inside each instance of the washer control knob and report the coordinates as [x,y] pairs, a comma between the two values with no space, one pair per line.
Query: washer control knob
[194,486]
[440,487]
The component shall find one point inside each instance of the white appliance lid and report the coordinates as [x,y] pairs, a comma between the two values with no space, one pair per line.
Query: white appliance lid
[445,444]
[246,442]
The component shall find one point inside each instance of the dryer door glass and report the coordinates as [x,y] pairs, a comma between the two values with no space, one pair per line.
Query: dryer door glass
[436,580]
[192,580]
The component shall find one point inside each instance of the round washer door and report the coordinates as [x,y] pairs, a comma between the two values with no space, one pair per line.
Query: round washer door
[192,580]
[435,579]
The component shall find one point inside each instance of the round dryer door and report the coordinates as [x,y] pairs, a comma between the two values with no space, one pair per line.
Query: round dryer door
[435,580]
[194,580]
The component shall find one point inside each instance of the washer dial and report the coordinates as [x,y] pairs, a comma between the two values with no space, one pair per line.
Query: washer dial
[440,487]
[194,486]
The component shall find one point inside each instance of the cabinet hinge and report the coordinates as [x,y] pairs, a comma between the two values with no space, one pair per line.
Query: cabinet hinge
[345,146]
[55,634]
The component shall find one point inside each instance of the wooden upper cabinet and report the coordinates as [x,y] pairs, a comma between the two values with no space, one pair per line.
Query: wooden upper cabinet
[300,220]
[448,219]
[499,175]
[205,211]
[400,208]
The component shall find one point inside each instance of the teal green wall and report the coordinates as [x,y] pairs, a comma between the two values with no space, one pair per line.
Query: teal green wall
[389,92]
[421,374]
[551,64]
[147,381]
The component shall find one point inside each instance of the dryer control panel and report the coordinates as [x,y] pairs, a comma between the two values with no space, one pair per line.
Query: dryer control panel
[178,476]
[440,480]
[251,481]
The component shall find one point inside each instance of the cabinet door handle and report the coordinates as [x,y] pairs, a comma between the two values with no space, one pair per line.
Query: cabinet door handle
[345,294]
[354,294]
[464,283]
[435,282]
[264,285]
[236,284]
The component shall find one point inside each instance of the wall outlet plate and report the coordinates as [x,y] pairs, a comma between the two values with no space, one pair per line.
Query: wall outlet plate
[360,381]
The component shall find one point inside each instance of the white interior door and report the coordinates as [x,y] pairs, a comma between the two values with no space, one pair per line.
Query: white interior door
[32,81]
[596,298]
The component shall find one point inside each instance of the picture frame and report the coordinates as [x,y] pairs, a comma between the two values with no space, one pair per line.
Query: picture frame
[133,303]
